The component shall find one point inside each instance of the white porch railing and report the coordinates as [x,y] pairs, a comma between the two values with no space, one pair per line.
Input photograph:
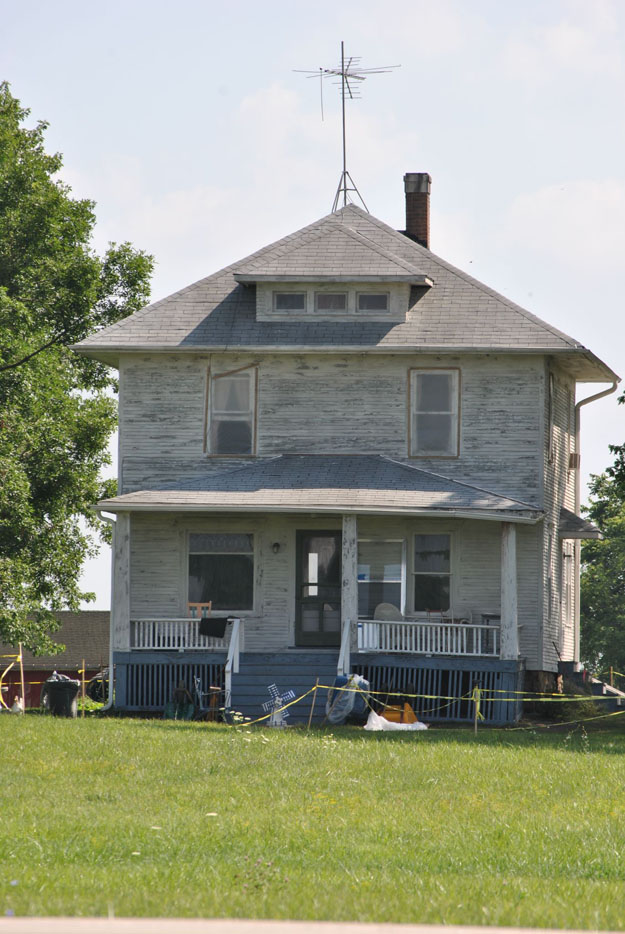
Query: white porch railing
[420,638]
[172,634]
[232,662]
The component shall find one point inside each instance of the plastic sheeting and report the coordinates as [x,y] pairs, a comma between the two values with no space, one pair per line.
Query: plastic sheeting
[376,722]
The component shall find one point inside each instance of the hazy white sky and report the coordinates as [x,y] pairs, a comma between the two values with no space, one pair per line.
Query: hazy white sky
[188,126]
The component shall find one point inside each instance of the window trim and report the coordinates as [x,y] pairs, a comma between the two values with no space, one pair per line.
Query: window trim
[211,376]
[411,392]
[373,311]
[402,570]
[423,614]
[286,311]
[255,535]
[332,311]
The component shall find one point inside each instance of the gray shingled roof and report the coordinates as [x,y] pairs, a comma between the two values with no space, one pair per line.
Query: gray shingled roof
[329,483]
[572,526]
[457,313]
[336,251]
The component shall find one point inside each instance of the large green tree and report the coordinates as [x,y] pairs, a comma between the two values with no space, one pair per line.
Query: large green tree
[57,409]
[603,571]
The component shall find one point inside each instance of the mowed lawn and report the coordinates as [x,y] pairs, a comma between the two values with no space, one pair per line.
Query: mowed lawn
[161,818]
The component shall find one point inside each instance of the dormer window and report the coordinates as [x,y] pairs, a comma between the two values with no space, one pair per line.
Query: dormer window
[289,301]
[372,301]
[331,301]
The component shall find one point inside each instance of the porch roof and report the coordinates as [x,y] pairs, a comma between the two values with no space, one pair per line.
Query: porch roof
[573,526]
[328,484]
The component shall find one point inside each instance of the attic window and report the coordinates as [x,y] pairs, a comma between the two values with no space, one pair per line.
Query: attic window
[331,301]
[232,411]
[289,301]
[373,301]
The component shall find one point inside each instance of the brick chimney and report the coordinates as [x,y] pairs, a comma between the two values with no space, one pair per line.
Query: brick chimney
[417,188]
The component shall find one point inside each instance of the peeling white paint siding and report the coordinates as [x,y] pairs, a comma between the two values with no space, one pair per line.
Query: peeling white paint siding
[559,481]
[334,404]
[159,568]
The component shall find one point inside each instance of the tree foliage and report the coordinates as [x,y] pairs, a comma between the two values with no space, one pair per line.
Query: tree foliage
[603,573]
[56,407]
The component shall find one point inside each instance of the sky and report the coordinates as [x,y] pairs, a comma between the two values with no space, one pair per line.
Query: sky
[190,127]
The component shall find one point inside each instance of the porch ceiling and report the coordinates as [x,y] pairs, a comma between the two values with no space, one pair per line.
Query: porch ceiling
[328,484]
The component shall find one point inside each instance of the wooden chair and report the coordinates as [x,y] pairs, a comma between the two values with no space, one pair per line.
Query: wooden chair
[199,610]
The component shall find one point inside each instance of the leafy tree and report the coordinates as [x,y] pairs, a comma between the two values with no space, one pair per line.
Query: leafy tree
[603,578]
[56,408]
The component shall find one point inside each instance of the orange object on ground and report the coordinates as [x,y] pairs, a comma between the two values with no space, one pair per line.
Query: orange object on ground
[403,714]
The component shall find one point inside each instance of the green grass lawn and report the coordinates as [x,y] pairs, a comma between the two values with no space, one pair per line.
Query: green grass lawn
[165,818]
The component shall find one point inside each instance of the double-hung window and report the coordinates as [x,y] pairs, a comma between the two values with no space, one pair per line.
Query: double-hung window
[379,576]
[431,573]
[434,405]
[221,570]
[232,412]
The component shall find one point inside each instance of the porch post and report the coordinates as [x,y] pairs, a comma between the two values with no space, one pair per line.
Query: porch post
[349,573]
[509,647]
[120,606]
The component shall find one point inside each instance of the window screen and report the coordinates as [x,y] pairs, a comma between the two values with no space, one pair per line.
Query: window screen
[379,576]
[232,413]
[434,427]
[432,573]
[221,569]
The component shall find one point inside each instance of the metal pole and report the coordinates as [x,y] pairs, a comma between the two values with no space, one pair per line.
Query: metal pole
[22,677]
[344,143]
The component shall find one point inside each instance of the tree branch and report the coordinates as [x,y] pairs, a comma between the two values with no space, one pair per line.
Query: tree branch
[12,366]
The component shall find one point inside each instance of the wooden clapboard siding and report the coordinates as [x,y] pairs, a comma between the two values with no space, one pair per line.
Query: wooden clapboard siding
[159,567]
[334,404]
[559,487]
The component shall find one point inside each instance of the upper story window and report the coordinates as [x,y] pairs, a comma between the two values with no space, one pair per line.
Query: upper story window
[331,301]
[434,405]
[232,412]
[372,301]
[289,301]
[221,570]
[432,573]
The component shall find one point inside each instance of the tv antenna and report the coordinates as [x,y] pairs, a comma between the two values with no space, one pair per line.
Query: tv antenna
[350,73]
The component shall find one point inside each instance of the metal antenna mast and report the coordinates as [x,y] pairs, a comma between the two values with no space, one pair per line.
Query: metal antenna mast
[350,73]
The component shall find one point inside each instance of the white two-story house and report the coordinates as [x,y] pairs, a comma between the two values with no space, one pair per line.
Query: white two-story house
[363,459]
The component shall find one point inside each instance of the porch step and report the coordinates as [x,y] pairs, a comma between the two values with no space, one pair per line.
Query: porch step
[295,671]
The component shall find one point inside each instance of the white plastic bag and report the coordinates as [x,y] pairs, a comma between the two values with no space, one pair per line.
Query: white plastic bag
[375,723]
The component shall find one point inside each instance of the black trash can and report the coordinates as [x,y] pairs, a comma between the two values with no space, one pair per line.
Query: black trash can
[60,695]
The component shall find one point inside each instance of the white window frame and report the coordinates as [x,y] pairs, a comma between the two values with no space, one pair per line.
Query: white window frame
[454,413]
[332,311]
[255,558]
[402,571]
[423,614]
[373,311]
[286,311]
[213,417]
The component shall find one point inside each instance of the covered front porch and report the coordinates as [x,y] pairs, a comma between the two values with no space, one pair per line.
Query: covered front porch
[393,564]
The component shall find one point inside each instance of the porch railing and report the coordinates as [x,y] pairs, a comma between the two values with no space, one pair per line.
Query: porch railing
[172,634]
[421,638]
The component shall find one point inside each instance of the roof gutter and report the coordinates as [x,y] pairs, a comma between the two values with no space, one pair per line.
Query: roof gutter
[578,497]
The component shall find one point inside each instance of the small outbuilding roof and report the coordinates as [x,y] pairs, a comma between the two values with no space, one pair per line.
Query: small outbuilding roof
[328,484]
[85,635]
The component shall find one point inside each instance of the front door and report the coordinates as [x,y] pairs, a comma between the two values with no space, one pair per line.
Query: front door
[318,588]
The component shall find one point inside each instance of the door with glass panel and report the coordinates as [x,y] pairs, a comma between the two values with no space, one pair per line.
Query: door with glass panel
[318,588]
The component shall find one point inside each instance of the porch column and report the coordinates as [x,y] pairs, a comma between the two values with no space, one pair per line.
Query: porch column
[349,573]
[120,603]
[509,647]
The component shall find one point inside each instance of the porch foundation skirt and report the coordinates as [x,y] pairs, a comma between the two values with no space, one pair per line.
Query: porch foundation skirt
[145,680]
